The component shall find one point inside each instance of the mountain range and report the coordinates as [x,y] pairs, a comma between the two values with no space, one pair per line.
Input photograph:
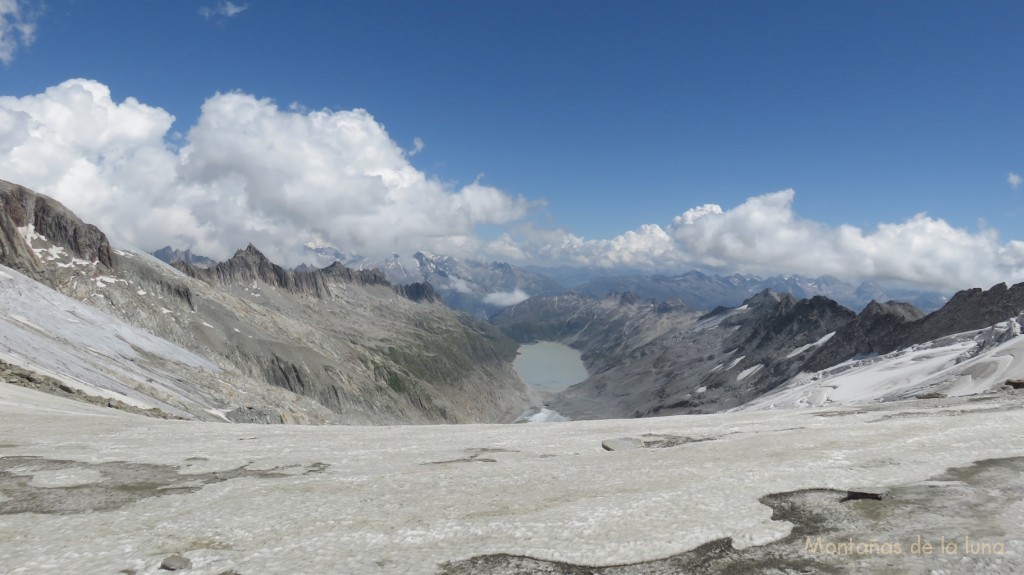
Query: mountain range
[482,289]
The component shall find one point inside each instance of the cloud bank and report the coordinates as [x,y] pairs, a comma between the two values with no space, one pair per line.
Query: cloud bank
[249,171]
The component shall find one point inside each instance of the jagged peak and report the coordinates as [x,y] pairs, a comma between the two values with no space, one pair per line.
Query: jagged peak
[252,250]
[903,310]
[767,295]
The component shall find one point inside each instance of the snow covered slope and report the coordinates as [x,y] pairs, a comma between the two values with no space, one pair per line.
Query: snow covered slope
[91,490]
[963,364]
[89,350]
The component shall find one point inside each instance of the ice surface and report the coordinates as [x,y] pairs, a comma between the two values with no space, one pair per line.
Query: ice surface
[404,499]
[100,355]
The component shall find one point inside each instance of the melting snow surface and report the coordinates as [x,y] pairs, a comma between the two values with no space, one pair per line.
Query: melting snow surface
[405,499]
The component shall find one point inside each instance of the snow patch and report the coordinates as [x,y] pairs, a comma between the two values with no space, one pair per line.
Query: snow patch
[804,348]
[748,372]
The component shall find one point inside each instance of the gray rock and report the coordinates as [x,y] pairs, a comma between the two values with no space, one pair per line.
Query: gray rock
[175,563]
[623,444]
[877,493]
[254,415]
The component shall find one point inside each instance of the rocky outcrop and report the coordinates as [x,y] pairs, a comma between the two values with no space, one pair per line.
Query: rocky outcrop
[34,213]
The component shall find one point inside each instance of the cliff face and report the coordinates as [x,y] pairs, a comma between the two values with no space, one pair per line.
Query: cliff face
[344,340]
[25,214]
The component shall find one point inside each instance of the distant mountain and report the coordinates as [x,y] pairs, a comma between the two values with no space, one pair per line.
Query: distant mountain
[169,255]
[480,289]
[703,291]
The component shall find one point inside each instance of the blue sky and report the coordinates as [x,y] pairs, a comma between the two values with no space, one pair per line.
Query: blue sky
[616,115]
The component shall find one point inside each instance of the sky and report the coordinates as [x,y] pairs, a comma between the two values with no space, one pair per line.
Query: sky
[866,140]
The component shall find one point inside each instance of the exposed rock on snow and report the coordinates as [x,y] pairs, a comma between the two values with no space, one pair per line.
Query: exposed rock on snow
[175,563]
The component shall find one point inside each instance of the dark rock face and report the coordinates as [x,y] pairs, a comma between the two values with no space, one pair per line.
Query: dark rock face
[880,328]
[21,207]
[418,292]
[788,320]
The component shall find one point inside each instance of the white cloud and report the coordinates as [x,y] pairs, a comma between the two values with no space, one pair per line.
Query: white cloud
[506,298]
[17,28]
[417,146]
[247,171]
[1014,180]
[227,9]
[460,285]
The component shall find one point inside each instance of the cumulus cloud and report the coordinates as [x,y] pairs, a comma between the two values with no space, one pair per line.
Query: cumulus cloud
[1014,180]
[506,298]
[226,9]
[764,235]
[246,171]
[17,28]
